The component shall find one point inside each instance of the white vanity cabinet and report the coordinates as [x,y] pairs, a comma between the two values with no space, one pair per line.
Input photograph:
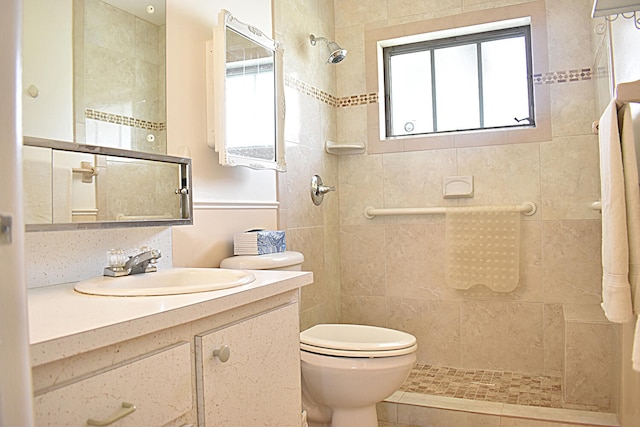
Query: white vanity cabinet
[89,355]
[248,373]
[158,385]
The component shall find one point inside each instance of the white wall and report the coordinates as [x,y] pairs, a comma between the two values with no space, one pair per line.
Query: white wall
[15,374]
[226,200]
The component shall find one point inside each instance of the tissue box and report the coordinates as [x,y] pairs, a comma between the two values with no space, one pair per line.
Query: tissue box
[259,242]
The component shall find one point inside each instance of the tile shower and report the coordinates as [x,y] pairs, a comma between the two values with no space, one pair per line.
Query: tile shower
[391,270]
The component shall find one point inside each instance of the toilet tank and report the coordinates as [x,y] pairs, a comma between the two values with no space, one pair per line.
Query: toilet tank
[289,260]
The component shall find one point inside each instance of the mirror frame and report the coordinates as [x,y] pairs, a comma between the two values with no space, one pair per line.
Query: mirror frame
[216,93]
[186,197]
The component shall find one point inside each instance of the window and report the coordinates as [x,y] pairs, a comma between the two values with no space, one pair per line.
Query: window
[467,82]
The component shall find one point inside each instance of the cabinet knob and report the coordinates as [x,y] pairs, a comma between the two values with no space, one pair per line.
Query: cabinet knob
[223,353]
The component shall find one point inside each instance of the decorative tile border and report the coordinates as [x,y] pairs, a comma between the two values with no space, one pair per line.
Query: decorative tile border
[562,76]
[553,77]
[327,98]
[124,120]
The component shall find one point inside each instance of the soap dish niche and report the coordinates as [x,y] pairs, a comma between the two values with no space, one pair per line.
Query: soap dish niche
[457,187]
[344,149]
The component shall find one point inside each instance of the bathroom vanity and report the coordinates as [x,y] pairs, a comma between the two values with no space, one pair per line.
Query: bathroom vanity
[223,358]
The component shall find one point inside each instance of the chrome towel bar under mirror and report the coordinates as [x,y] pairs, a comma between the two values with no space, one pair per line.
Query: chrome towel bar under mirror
[127,189]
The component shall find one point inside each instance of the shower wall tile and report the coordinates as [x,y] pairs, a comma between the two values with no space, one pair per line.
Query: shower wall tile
[364,310]
[302,125]
[502,336]
[362,260]
[553,340]
[312,230]
[508,174]
[351,78]
[589,361]
[572,111]
[570,178]
[354,12]
[435,324]
[569,23]
[302,212]
[414,267]
[415,179]
[572,261]
[327,312]
[406,8]
[352,124]
[310,241]
[361,185]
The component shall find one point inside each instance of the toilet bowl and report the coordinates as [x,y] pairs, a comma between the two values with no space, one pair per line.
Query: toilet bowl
[347,369]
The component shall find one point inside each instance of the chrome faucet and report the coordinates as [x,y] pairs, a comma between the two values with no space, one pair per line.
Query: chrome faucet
[143,262]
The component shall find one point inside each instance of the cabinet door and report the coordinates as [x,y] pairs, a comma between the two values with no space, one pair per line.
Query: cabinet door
[159,385]
[259,385]
[47,71]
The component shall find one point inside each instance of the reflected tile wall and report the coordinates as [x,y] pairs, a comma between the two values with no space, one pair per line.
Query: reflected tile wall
[119,67]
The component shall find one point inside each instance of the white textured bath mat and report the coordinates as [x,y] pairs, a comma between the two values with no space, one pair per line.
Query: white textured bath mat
[483,248]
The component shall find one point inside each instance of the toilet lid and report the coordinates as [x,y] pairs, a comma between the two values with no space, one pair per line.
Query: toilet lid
[356,341]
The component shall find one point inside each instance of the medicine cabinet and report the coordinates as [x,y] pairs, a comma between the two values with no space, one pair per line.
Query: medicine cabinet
[245,96]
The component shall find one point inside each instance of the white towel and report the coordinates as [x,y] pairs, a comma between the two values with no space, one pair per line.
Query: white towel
[618,202]
[37,186]
[483,248]
[62,179]
[632,196]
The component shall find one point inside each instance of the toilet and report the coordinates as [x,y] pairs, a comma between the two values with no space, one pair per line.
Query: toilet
[288,260]
[346,369]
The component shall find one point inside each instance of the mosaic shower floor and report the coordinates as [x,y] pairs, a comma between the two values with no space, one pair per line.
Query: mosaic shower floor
[491,386]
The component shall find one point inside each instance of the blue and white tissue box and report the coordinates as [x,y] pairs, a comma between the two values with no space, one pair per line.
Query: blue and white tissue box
[259,242]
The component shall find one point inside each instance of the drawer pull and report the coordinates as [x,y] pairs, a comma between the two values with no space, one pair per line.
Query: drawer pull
[127,408]
[223,353]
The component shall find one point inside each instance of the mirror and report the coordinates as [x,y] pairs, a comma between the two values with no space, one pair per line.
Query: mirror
[94,72]
[245,96]
[79,186]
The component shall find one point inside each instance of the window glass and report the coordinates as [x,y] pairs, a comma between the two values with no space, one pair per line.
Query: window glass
[504,77]
[411,82]
[468,82]
[457,96]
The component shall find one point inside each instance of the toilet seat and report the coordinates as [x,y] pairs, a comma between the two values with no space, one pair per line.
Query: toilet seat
[356,341]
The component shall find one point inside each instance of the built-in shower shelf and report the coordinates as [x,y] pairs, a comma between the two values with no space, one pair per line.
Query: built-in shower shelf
[344,149]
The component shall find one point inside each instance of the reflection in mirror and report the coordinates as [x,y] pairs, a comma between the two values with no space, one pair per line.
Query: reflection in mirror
[94,72]
[245,97]
[249,93]
[71,186]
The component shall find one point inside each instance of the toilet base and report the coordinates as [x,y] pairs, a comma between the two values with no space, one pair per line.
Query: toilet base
[361,417]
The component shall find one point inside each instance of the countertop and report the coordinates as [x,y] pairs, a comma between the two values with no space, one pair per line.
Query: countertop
[63,322]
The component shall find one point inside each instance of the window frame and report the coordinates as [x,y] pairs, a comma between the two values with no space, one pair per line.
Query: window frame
[467,39]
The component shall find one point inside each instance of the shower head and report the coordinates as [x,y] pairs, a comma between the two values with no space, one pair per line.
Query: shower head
[336,53]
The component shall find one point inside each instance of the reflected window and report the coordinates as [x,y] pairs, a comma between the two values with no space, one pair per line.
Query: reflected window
[250,94]
[462,83]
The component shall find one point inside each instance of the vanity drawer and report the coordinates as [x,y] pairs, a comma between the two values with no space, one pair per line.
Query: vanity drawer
[158,384]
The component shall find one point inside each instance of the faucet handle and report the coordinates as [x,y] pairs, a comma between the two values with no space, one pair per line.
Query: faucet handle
[116,259]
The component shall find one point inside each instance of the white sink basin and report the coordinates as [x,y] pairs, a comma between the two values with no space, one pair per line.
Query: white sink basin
[166,282]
